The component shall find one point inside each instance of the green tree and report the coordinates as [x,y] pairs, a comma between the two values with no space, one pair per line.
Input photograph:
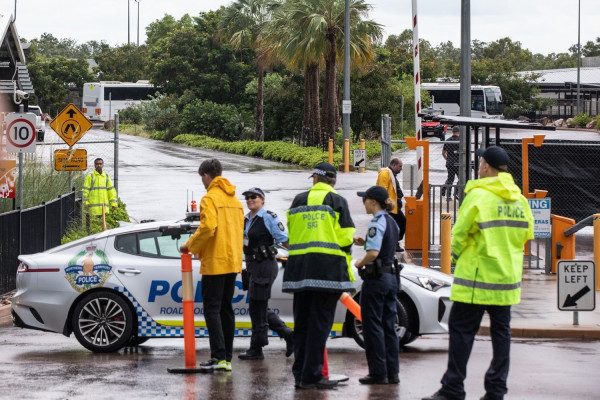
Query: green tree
[52,77]
[317,29]
[242,24]
[126,63]
[190,57]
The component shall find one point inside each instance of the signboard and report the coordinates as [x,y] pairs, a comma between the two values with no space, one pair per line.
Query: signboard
[70,160]
[70,124]
[20,133]
[8,177]
[576,281]
[360,158]
[346,106]
[540,208]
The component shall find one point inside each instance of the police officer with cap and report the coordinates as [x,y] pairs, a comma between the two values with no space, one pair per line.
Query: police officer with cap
[493,224]
[380,288]
[262,228]
[318,271]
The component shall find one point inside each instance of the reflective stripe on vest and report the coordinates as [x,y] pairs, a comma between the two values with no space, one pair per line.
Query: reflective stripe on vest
[487,286]
[511,223]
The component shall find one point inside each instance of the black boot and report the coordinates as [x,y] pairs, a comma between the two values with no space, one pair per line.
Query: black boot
[289,343]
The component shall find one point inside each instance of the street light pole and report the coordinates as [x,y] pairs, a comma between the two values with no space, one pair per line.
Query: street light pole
[128,39]
[578,57]
[346,105]
[138,23]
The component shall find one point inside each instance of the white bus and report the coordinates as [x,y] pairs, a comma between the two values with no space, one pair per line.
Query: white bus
[486,101]
[101,100]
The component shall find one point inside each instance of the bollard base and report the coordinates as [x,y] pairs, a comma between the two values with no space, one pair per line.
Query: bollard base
[189,371]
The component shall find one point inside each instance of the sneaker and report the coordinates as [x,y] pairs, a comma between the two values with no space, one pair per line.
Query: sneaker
[436,396]
[209,366]
[251,354]
[223,365]
[373,380]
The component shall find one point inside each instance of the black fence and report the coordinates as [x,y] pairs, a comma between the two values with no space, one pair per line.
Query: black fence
[31,231]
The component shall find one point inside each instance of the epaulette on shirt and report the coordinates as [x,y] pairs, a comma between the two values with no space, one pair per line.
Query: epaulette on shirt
[376,218]
[272,214]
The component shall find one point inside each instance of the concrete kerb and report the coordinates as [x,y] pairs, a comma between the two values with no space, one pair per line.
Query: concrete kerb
[579,332]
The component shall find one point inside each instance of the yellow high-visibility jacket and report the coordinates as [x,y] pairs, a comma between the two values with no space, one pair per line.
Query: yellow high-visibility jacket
[98,190]
[493,224]
[321,233]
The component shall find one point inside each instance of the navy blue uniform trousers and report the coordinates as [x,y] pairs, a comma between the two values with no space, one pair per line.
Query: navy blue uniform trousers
[314,312]
[378,309]
[464,323]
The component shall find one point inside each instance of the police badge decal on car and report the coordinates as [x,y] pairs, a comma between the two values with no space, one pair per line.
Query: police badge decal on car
[90,268]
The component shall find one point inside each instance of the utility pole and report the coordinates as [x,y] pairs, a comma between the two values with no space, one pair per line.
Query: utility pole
[346,104]
[465,88]
[578,58]
[128,28]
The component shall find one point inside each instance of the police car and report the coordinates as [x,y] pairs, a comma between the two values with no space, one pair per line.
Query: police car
[122,287]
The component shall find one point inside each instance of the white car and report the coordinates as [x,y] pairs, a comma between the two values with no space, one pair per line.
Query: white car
[122,287]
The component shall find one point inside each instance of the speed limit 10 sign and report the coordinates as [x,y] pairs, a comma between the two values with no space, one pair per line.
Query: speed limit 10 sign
[20,133]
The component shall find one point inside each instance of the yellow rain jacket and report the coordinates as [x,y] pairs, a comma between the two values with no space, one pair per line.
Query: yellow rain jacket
[218,241]
[493,224]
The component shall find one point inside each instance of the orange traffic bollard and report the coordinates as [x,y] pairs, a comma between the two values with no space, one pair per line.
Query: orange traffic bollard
[189,334]
[351,305]
[325,370]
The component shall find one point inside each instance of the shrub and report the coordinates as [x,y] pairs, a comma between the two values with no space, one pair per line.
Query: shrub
[216,120]
[581,120]
[130,115]
[78,229]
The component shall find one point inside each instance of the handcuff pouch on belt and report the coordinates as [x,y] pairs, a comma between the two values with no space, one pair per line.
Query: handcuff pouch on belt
[371,270]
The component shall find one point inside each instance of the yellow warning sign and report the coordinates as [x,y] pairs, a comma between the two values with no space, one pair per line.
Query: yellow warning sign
[70,124]
[70,160]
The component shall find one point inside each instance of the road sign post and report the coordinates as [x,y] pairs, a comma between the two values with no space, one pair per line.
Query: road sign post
[576,279]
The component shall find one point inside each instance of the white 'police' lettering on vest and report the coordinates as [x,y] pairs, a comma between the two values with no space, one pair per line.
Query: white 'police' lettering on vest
[312,219]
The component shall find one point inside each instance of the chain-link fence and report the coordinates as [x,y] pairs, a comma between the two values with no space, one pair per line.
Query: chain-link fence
[567,169]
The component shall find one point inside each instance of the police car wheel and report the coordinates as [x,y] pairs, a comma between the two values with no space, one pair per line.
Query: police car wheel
[103,322]
[403,325]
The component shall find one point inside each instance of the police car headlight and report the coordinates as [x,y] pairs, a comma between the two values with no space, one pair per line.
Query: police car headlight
[427,282]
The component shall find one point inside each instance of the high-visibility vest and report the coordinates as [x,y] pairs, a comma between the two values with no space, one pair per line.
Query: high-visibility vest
[493,224]
[318,257]
[98,190]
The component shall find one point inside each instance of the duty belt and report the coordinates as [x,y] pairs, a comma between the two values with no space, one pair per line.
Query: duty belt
[388,269]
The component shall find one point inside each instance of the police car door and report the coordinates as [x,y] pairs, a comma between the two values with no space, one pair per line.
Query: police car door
[149,267]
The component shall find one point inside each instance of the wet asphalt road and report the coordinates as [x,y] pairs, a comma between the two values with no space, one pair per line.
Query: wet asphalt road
[38,365]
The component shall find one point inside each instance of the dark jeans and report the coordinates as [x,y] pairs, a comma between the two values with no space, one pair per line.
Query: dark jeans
[313,318]
[463,325]
[378,307]
[217,292]
[401,221]
[452,172]
[261,276]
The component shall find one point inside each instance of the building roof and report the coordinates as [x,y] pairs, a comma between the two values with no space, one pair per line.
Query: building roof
[13,69]
[587,76]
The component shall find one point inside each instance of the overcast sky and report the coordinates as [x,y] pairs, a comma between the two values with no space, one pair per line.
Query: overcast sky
[542,26]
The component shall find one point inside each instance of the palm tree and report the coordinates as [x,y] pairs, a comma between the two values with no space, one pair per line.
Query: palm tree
[242,24]
[315,36]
